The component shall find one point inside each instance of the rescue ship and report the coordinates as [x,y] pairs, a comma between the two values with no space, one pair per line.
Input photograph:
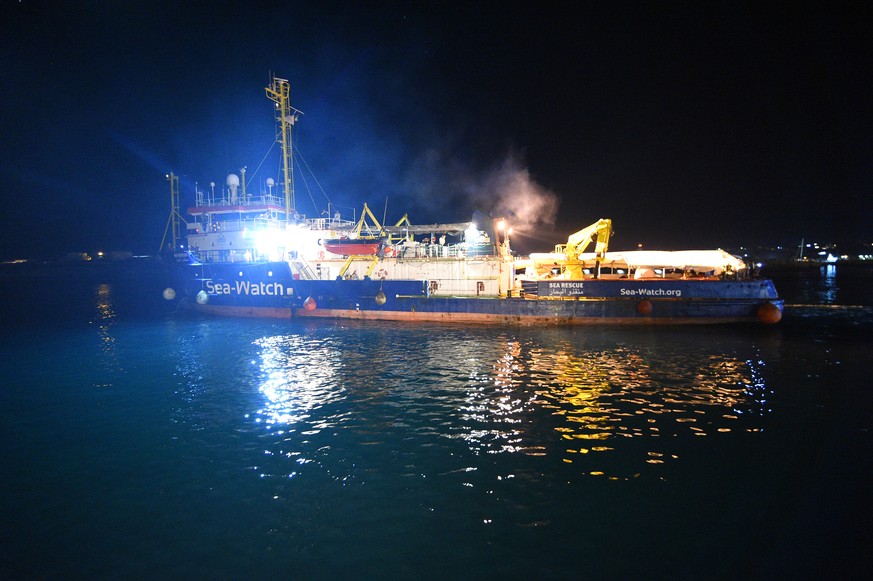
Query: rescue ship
[252,254]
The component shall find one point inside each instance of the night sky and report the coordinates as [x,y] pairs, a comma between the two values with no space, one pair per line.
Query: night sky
[691,125]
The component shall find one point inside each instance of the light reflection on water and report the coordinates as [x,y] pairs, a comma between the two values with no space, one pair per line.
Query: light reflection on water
[607,407]
[605,398]
[106,319]
[830,288]
[294,385]
[827,285]
[243,448]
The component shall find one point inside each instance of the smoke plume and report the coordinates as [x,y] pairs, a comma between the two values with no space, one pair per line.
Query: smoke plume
[444,185]
[509,191]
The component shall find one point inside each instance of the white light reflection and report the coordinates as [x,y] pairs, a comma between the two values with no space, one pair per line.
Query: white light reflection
[298,380]
[497,405]
[828,293]
[297,377]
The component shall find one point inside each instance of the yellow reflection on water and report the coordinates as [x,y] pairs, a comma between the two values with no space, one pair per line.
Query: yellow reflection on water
[621,401]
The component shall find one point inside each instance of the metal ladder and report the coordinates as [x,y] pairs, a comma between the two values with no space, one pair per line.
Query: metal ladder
[303,268]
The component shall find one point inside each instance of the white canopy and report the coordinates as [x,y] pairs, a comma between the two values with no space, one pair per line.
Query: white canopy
[685,259]
[699,260]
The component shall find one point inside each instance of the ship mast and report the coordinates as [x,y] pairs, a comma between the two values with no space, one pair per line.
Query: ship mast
[175,219]
[279,92]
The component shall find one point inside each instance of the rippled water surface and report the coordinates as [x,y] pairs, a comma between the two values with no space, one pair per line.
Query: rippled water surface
[142,442]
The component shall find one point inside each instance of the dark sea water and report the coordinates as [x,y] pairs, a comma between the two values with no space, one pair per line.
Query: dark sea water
[141,441]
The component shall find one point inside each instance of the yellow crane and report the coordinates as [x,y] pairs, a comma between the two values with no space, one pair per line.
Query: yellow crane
[579,241]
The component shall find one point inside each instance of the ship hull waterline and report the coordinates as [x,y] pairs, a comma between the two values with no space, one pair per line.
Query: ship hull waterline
[610,314]
[321,303]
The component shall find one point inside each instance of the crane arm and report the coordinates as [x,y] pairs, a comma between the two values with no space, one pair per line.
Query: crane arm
[579,241]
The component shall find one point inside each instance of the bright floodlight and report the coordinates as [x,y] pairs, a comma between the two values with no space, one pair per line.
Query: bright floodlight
[267,243]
